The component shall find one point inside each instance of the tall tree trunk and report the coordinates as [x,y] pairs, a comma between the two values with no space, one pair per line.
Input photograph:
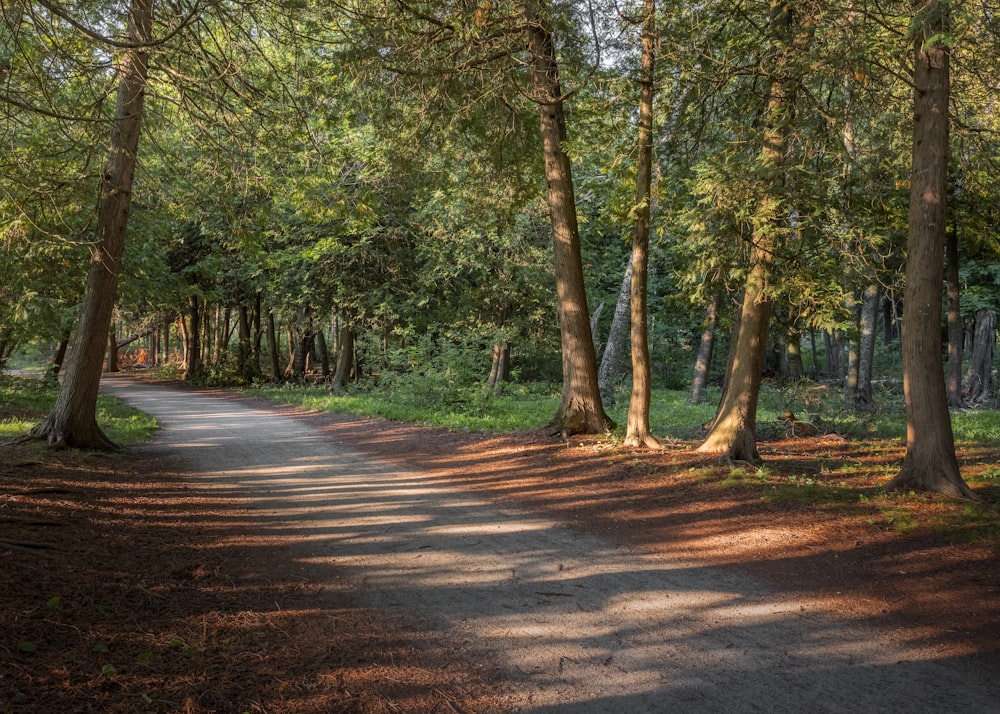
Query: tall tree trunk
[930,460]
[978,385]
[73,419]
[637,432]
[611,360]
[853,359]
[956,335]
[272,348]
[345,358]
[703,362]
[192,345]
[734,430]
[866,353]
[580,409]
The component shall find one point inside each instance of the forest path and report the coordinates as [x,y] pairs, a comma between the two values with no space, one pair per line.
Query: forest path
[576,623]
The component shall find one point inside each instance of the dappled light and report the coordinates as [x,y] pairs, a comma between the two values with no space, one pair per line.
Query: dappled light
[658,603]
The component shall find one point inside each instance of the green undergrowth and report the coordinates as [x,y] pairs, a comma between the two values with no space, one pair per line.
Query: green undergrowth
[25,401]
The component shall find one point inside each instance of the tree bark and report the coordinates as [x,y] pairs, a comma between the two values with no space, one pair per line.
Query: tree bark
[112,356]
[324,354]
[272,348]
[703,361]
[956,333]
[192,345]
[58,356]
[853,362]
[73,419]
[611,360]
[345,357]
[866,353]
[580,409]
[930,460]
[637,431]
[978,384]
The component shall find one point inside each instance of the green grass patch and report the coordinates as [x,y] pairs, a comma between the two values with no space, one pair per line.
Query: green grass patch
[24,402]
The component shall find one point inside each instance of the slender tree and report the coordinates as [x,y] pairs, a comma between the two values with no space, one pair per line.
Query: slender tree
[73,419]
[930,460]
[580,409]
[734,430]
[637,431]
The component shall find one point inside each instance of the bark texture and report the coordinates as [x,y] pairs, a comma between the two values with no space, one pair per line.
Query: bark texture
[978,383]
[73,419]
[614,348]
[581,409]
[706,347]
[930,460]
[865,399]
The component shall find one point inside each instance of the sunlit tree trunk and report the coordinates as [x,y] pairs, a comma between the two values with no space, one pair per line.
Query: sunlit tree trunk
[733,433]
[637,432]
[930,460]
[73,419]
[580,409]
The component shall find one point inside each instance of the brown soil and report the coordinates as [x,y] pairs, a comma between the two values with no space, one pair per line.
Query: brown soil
[124,592]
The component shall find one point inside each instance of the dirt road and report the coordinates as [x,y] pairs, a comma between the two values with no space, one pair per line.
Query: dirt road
[576,623]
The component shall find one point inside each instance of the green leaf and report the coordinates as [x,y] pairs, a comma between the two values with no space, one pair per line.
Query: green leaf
[101,647]
[27,648]
[109,669]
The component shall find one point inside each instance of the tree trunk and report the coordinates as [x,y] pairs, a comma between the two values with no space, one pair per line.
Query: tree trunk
[324,354]
[866,353]
[978,385]
[111,365]
[703,362]
[956,335]
[734,430]
[853,359]
[793,352]
[637,432]
[345,357]
[272,348]
[56,362]
[611,360]
[73,419]
[930,460]
[192,343]
[580,410]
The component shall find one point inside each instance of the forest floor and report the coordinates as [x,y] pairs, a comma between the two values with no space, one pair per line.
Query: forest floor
[117,598]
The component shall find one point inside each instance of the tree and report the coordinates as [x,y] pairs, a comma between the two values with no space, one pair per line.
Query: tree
[734,429]
[73,419]
[637,431]
[580,409]
[930,460]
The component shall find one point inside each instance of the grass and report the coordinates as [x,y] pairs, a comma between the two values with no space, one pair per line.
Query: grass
[24,402]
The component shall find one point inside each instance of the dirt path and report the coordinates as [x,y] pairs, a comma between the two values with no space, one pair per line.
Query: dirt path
[577,623]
